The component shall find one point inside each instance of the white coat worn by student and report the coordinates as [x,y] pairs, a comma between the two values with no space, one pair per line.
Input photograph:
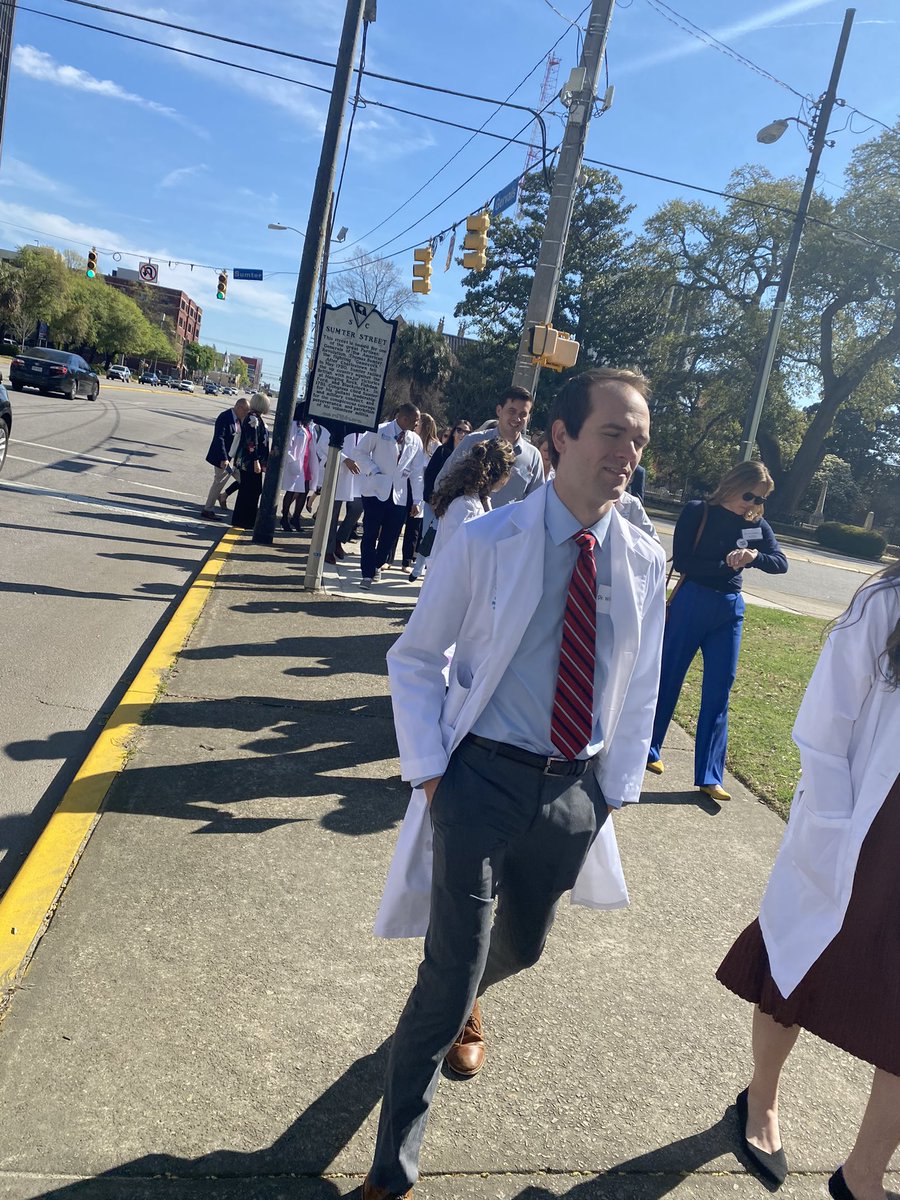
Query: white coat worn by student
[509,569]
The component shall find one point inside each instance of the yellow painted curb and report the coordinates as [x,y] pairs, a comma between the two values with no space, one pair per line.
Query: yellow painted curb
[28,904]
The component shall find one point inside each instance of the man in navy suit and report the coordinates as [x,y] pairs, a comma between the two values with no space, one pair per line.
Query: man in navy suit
[219,453]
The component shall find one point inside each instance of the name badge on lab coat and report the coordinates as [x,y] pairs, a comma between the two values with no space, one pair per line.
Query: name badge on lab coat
[604,599]
[750,535]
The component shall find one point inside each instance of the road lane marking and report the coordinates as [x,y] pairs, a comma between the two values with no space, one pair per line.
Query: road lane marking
[115,478]
[91,502]
[28,905]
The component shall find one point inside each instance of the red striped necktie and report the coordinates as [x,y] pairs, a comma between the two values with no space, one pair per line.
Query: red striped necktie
[573,704]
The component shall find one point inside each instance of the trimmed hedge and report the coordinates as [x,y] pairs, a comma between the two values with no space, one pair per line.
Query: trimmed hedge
[851,539]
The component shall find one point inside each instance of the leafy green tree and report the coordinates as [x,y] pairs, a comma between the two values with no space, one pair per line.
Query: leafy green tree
[422,358]
[239,370]
[33,289]
[198,357]
[605,298]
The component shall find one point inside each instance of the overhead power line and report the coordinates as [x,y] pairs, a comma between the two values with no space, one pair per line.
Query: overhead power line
[709,39]
[469,139]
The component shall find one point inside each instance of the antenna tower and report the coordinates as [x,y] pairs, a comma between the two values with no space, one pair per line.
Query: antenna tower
[548,89]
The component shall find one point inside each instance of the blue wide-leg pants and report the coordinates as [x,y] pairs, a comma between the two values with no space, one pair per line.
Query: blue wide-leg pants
[702,619]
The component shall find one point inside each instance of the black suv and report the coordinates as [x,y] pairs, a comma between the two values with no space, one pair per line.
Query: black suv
[54,371]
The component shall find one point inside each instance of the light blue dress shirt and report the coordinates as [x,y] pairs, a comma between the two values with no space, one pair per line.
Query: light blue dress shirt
[520,709]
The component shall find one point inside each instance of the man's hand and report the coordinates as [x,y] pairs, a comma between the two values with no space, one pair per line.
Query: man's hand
[352,467]
[257,469]
[416,510]
[223,464]
[430,786]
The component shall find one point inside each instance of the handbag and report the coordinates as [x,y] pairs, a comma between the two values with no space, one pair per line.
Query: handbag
[681,578]
[427,542]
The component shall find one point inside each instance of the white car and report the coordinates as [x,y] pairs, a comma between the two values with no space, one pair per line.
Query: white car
[186,385]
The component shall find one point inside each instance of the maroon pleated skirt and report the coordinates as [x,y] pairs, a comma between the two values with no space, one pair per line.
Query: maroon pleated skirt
[851,995]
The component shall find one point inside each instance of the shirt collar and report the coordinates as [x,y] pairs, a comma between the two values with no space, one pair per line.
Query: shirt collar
[561,525]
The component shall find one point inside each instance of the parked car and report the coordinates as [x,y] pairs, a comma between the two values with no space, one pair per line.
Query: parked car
[171,381]
[150,377]
[118,371]
[210,389]
[229,391]
[54,371]
[5,423]
[186,385]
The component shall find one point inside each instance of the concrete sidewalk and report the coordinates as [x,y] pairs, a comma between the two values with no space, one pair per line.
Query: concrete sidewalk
[207,1014]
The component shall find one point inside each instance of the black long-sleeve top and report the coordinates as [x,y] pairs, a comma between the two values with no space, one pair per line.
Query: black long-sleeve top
[723,532]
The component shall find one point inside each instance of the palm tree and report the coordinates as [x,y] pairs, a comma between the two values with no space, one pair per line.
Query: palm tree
[422,357]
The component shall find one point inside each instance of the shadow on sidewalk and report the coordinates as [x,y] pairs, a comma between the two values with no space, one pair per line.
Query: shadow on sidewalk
[305,1150]
[659,1172]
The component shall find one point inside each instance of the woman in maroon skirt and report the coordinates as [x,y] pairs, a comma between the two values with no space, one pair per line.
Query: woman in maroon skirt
[824,954]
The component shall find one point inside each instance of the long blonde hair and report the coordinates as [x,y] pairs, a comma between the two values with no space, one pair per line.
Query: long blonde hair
[749,476]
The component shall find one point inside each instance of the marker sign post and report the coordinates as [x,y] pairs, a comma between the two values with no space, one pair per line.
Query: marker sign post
[346,392]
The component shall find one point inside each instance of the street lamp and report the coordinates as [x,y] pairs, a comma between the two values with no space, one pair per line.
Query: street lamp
[279,226]
[818,130]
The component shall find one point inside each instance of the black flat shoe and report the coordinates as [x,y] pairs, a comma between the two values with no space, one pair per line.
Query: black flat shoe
[837,1185]
[773,1166]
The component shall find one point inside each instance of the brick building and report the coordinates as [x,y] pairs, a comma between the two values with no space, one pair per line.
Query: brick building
[184,315]
[254,370]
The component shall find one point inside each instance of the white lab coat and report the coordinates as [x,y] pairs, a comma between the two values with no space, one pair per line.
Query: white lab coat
[460,510]
[293,478]
[848,732]
[482,592]
[347,482]
[384,474]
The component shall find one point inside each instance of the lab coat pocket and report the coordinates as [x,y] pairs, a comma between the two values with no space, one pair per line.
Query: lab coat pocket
[819,850]
[458,690]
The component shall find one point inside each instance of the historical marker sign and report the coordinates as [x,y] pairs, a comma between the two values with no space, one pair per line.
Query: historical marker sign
[351,361]
[246,273]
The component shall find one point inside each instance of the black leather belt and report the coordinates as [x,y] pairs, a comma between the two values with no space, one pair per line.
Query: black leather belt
[549,766]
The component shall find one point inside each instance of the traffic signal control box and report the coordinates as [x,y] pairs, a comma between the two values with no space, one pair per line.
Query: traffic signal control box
[422,270]
[552,348]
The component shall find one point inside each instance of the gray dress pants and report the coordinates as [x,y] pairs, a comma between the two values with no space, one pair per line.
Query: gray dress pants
[508,842]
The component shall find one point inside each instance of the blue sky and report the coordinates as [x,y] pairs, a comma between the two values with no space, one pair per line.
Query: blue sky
[144,152]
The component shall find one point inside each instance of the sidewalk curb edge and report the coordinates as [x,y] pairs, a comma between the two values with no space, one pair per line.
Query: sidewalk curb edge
[31,899]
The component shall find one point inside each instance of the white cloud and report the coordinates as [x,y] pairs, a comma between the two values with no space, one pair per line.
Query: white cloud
[39,65]
[23,175]
[688,45]
[181,173]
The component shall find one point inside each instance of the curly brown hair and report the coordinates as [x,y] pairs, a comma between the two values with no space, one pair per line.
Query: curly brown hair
[476,474]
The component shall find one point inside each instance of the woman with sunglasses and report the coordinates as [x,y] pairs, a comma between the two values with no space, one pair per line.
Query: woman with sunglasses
[714,542]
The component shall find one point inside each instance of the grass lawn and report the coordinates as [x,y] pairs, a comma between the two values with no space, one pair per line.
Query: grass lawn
[778,653]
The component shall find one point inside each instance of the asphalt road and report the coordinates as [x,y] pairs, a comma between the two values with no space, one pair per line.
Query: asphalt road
[100,532]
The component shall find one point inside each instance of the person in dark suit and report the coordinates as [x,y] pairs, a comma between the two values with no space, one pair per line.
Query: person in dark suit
[219,455]
[251,459]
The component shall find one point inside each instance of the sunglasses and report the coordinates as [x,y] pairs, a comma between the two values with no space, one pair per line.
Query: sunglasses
[748,496]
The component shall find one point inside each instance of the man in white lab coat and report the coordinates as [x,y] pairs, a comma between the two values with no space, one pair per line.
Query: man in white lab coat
[555,607]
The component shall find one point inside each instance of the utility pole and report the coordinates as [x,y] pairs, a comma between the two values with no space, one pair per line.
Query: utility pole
[310,263]
[583,95]
[817,145]
[7,20]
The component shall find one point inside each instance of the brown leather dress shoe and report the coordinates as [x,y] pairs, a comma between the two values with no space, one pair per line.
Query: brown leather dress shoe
[466,1055]
[371,1192]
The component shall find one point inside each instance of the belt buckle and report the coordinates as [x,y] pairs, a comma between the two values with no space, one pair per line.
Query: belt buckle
[546,770]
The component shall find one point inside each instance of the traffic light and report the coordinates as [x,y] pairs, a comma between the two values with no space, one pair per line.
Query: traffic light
[91,270]
[552,348]
[422,270]
[475,242]
[223,286]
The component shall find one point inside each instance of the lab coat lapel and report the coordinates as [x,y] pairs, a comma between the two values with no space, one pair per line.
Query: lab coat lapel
[627,568]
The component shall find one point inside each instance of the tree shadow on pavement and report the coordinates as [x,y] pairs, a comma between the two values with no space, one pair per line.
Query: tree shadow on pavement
[291,1166]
